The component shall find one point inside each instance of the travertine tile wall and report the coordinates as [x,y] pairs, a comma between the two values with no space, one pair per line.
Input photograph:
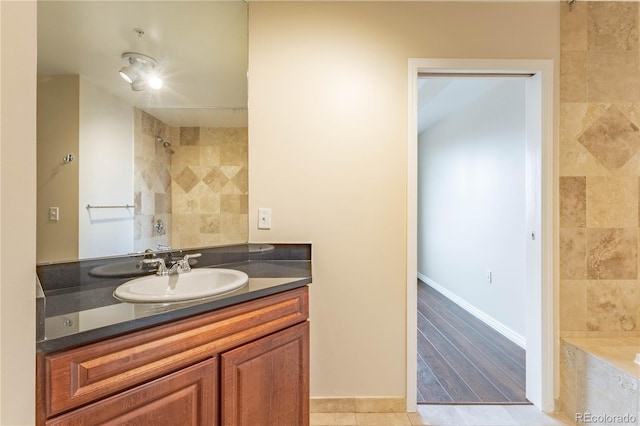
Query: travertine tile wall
[198,186]
[152,181]
[209,190]
[599,168]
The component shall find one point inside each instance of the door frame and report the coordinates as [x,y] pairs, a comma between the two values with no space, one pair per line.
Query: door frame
[541,327]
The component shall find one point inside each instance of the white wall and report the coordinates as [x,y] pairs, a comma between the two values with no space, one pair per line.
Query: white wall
[471,209]
[328,153]
[17,211]
[105,173]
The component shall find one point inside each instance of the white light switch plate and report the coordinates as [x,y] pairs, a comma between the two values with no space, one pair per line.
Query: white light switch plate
[264,218]
[54,213]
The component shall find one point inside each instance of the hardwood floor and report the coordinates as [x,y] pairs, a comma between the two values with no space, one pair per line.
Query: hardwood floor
[461,360]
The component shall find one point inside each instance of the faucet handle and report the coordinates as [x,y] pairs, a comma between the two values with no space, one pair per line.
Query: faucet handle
[161,269]
[191,256]
[184,265]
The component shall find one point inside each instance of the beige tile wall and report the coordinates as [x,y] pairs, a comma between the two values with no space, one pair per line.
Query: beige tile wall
[198,187]
[599,168]
[152,181]
[209,190]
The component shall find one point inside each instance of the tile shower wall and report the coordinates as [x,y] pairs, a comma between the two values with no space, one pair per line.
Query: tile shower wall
[197,187]
[599,168]
[152,181]
[209,189]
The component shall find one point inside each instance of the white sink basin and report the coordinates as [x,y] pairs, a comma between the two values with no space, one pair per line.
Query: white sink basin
[197,284]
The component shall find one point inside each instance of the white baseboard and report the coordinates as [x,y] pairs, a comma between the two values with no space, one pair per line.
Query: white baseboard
[490,321]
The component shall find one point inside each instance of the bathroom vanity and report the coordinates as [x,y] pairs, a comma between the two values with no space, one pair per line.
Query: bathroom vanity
[237,359]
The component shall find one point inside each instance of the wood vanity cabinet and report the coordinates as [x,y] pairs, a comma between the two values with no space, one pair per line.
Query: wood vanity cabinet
[266,382]
[247,364]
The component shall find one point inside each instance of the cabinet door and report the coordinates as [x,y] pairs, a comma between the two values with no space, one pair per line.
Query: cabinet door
[187,397]
[266,382]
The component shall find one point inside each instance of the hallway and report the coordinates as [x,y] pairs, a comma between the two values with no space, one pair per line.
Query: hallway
[463,361]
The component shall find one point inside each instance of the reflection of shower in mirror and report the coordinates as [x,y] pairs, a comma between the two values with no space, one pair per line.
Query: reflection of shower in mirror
[166,143]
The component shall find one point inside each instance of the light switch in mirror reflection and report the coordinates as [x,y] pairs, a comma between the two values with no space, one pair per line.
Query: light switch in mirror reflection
[177,154]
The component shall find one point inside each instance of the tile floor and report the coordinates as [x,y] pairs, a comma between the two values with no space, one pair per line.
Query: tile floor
[446,415]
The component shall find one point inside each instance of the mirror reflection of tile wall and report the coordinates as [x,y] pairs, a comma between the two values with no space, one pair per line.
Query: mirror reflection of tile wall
[197,186]
[152,181]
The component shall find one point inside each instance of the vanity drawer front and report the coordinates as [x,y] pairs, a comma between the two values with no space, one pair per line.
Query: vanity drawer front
[186,397]
[85,374]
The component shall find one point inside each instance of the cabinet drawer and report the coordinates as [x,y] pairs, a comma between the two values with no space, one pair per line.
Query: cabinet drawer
[85,374]
[187,397]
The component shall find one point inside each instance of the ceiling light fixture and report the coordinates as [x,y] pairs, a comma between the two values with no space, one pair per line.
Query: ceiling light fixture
[142,71]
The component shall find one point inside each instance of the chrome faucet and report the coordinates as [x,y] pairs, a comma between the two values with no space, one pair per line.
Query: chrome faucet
[161,269]
[180,267]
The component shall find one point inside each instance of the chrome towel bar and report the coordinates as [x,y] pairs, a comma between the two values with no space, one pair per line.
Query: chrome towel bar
[124,206]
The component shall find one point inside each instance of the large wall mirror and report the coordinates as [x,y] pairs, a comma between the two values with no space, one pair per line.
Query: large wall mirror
[141,126]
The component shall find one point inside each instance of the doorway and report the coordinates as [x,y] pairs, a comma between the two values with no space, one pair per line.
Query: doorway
[471,239]
[539,219]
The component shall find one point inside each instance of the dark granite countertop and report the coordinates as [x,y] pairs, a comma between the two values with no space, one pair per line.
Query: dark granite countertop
[79,307]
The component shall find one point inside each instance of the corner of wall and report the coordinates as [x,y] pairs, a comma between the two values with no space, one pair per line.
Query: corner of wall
[17,213]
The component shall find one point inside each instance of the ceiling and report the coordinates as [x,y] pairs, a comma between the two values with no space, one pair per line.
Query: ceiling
[440,96]
[201,47]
